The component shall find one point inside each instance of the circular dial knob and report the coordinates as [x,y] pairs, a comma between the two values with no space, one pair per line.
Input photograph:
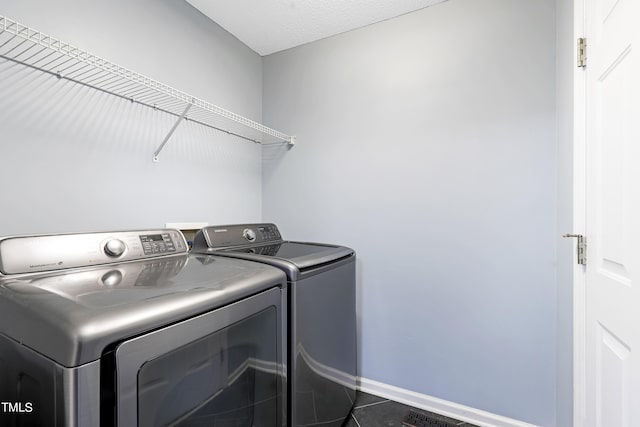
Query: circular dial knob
[249,234]
[114,248]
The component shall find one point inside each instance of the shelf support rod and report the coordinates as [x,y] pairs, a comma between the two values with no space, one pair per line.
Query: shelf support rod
[173,129]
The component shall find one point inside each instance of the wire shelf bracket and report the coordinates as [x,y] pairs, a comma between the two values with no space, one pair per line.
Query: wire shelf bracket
[173,129]
[33,49]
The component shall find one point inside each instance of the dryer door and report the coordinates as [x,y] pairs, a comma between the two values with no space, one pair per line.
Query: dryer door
[221,368]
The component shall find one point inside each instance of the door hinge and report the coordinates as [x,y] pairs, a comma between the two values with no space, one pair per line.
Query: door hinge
[581,247]
[582,52]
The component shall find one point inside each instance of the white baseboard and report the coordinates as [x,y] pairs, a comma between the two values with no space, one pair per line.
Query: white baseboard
[439,406]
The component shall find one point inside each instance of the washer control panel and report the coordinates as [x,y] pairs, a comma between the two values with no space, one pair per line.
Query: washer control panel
[29,254]
[238,235]
[153,244]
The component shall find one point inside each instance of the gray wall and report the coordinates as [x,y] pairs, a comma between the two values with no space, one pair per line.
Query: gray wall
[73,159]
[428,144]
[565,66]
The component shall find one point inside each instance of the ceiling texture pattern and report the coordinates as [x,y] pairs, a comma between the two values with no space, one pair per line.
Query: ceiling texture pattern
[269,26]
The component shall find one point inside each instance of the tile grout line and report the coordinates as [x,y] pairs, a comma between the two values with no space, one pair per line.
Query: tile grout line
[323,422]
[355,419]
[313,402]
[371,404]
[349,396]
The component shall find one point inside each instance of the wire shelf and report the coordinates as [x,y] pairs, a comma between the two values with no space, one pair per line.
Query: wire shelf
[31,48]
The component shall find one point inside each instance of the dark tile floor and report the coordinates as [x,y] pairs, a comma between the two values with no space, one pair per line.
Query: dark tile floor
[374,411]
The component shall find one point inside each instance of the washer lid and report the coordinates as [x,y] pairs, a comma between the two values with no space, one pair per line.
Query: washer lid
[70,316]
[303,255]
[263,243]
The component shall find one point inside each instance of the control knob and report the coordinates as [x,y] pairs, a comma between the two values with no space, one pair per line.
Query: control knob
[249,234]
[114,248]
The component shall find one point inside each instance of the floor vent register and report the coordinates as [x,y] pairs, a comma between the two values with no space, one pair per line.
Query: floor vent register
[416,419]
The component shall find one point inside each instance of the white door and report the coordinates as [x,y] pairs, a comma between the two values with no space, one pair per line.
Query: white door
[612,313]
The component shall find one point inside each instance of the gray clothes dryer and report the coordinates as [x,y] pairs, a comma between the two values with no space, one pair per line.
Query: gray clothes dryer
[129,329]
[321,315]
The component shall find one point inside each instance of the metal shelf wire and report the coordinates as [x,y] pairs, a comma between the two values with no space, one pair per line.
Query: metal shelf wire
[31,48]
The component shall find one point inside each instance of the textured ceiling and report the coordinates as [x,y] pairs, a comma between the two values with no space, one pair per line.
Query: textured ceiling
[269,26]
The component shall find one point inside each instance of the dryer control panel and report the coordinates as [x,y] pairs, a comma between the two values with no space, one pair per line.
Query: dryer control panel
[30,254]
[239,235]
